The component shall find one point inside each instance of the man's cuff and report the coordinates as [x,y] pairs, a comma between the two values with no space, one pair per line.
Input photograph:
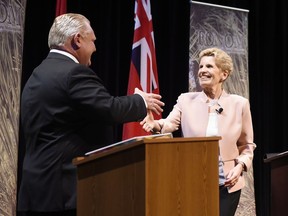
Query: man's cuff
[142,98]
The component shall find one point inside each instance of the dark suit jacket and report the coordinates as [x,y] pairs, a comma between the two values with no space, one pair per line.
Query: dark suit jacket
[65,112]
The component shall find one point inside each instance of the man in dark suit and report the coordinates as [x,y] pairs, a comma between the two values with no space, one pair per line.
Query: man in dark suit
[65,112]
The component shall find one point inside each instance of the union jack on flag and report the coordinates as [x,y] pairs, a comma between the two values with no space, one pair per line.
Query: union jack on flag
[143,67]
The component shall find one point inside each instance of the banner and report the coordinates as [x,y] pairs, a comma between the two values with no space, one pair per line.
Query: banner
[143,68]
[226,28]
[12,15]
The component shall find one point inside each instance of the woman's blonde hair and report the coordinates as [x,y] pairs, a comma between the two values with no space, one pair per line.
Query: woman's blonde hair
[222,59]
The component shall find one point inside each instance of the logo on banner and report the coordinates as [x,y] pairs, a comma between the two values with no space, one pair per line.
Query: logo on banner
[11,13]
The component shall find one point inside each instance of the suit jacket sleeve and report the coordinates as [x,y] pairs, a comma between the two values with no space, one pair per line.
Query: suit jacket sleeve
[89,95]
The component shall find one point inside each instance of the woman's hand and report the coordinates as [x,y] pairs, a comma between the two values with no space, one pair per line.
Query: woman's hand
[233,175]
[149,124]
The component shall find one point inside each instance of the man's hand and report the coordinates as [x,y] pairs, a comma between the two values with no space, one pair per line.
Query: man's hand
[152,100]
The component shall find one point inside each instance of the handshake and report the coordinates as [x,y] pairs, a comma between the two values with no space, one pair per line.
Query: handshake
[152,101]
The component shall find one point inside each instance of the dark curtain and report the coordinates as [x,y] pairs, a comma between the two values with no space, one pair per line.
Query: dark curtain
[113,23]
[268,88]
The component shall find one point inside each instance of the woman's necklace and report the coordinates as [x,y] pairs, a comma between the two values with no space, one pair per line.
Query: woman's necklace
[213,103]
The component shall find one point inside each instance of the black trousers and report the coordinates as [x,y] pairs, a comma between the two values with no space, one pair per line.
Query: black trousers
[228,201]
[62,213]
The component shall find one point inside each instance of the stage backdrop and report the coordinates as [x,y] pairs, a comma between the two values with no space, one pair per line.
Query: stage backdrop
[227,28]
[11,41]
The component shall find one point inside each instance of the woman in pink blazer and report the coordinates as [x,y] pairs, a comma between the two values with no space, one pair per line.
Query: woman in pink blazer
[214,112]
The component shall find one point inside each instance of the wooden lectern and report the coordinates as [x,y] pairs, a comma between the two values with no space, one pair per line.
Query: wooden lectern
[151,177]
[278,180]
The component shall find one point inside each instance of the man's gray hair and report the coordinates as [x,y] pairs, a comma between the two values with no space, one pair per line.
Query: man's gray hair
[66,26]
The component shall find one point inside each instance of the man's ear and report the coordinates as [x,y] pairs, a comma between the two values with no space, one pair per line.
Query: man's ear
[74,42]
[74,45]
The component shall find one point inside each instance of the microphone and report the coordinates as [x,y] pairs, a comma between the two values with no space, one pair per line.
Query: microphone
[220,110]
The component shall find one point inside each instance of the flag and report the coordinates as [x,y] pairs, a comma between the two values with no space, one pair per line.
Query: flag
[61,7]
[143,68]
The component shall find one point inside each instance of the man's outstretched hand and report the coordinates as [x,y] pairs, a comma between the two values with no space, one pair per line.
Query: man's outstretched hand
[152,100]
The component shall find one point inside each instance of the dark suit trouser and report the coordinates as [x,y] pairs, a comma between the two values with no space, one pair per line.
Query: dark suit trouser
[62,213]
[228,201]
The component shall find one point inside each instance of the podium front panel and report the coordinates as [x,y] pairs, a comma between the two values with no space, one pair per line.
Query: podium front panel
[160,177]
[182,179]
[278,178]
[113,184]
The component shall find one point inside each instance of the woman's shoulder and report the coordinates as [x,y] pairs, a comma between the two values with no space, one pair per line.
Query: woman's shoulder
[237,100]
[191,94]
[237,97]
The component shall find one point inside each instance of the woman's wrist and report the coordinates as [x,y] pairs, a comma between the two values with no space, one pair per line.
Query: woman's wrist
[242,165]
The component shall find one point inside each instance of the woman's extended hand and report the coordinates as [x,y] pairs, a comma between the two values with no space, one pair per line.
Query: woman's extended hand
[149,124]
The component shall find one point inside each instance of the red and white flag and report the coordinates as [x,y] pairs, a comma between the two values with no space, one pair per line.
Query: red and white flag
[61,7]
[143,67]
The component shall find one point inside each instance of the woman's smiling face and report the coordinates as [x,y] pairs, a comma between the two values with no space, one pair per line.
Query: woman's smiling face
[209,74]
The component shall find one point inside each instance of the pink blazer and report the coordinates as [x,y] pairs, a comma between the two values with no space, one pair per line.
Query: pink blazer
[234,125]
